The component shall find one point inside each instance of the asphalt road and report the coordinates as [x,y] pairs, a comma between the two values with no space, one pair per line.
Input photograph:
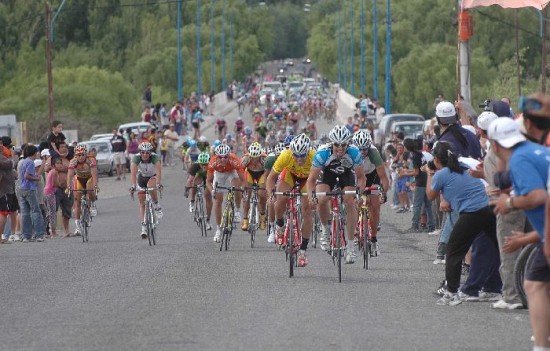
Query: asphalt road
[117,293]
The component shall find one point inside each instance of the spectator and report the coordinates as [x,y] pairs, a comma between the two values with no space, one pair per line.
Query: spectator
[146,115]
[55,138]
[62,200]
[30,209]
[147,99]
[176,117]
[164,117]
[118,144]
[171,137]
[8,201]
[49,195]
[528,164]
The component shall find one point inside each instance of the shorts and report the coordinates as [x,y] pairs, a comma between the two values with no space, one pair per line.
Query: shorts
[252,176]
[8,203]
[538,270]
[402,185]
[224,179]
[119,158]
[142,181]
[82,183]
[345,179]
[195,125]
[292,180]
[373,179]
[64,202]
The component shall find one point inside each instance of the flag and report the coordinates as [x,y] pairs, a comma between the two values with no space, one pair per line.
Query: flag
[514,4]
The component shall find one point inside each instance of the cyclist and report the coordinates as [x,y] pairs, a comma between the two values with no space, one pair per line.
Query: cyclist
[268,165]
[253,164]
[203,144]
[82,174]
[342,165]
[293,166]
[375,173]
[145,172]
[238,129]
[247,138]
[221,124]
[197,176]
[224,169]
[192,154]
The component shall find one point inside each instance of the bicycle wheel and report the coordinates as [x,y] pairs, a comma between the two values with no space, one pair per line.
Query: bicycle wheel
[229,229]
[339,234]
[365,242]
[316,229]
[290,245]
[253,224]
[149,221]
[522,262]
[153,225]
[84,220]
[202,220]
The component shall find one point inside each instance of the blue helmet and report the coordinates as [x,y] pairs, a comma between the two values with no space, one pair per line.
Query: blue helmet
[288,139]
[192,143]
[216,142]
[247,130]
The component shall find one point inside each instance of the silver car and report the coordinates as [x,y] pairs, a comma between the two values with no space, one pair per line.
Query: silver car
[105,163]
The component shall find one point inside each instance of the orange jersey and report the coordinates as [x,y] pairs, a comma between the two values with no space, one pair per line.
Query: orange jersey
[220,165]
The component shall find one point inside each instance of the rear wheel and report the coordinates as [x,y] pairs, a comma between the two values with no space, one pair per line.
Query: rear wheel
[290,246]
[252,225]
[149,223]
[339,234]
[522,263]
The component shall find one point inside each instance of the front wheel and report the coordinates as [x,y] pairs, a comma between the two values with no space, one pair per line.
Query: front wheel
[522,263]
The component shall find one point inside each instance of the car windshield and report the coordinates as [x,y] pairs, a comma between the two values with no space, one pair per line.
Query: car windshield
[409,129]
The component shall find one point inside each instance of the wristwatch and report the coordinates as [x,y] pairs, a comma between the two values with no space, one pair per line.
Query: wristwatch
[509,204]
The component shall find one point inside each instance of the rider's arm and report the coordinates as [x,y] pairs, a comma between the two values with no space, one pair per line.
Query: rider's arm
[133,173]
[385,182]
[70,175]
[361,179]
[209,181]
[311,180]
[270,182]
[158,170]
[94,176]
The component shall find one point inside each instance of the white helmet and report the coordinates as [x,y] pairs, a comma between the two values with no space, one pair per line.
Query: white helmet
[203,139]
[300,144]
[145,146]
[255,150]
[222,150]
[339,135]
[362,139]
[279,148]
[485,119]
[445,112]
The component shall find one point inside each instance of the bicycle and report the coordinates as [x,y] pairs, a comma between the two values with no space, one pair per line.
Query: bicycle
[292,238]
[363,232]
[253,215]
[523,261]
[150,219]
[198,210]
[338,224]
[85,216]
[228,215]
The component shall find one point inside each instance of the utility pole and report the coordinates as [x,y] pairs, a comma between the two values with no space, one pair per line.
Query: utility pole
[544,49]
[374,51]
[199,56]
[180,78]
[351,51]
[388,57]
[212,52]
[465,32]
[362,46]
[49,63]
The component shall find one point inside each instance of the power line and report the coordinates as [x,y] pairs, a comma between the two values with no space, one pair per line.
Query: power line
[509,24]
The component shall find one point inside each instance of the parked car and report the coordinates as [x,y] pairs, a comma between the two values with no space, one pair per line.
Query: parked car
[137,127]
[411,129]
[105,163]
[101,136]
[387,121]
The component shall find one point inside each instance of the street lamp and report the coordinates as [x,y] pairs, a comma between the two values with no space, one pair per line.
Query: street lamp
[212,51]
[199,56]
[180,79]
[388,58]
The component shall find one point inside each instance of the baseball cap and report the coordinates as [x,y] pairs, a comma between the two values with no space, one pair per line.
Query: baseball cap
[485,119]
[500,108]
[45,152]
[37,163]
[445,109]
[506,132]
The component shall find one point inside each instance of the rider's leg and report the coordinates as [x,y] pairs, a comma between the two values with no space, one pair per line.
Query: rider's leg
[218,208]
[351,213]
[323,203]
[374,214]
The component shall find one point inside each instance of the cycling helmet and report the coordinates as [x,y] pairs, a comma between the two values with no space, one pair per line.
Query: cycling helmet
[339,135]
[300,144]
[362,139]
[80,149]
[222,150]
[255,150]
[192,143]
[279,148]
[204,158]
[247,130]
[288,139]
[145,146]
[203,139]
[278,112]
[216,142]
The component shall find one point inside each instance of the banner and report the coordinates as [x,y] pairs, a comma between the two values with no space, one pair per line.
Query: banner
[514,4]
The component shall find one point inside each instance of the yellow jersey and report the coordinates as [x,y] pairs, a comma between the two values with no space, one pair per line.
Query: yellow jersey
[286,160]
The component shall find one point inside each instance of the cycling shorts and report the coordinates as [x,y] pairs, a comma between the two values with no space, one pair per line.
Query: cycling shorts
[291,179]
[224,179]
[142,181]
[252,176]
[345,179]
[82,183]
[538,269]
[373,179]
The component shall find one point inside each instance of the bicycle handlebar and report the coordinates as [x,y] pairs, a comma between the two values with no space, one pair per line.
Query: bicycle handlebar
[230,188]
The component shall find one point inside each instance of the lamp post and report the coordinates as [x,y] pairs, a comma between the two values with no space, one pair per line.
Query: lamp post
[180,83]
[223,46]
[338,48]
[351,51]
[374,51]
[231,47]
[344,48]
[199,56]
[212,51]
[362,46]
[49,40]
[388,58]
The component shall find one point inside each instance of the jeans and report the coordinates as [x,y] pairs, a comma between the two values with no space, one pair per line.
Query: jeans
[449,223]
[420,198]
[484,274]
[31,214]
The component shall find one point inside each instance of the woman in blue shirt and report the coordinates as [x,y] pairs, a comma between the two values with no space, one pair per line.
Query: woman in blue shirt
[466,194]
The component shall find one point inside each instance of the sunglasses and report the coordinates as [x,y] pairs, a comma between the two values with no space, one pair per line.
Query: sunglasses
[300,156]
[223,157]
[527,104]
[145,152]
[339,145]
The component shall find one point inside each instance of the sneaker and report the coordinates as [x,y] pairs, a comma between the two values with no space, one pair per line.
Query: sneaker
[503,305]
[375,248]
[413,229]
[271,238]
[279,234]
[489,296]
[324,240]
[40,239]
[208,225]
[465,297]
[244,225]
[302,258]
[393,207]
[238,217]
[351,254]
[439,260]
[77,231]
[263,221]
[191,207]
[93,210]
[401,210]
[435,232]
[440,291]
[25,240]
[143,232]
[449,299]
[158,211]
[218,236]
[14,238]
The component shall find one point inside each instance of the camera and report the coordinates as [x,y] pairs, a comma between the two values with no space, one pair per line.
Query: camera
[485,105]
[431,165]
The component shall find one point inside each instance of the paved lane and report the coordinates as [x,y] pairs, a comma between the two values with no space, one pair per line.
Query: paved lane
[117,293]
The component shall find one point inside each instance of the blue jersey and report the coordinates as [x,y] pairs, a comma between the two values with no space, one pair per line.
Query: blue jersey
[529,171]
[324,159]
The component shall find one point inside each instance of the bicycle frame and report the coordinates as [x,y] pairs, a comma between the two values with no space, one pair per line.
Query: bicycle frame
[228,214]
[85,216]
[363,233]
[150,217]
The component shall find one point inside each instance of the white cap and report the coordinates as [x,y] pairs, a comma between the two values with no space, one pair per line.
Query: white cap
[445,109]
[45,152]
[485,119]
[37,163]
[506,132]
